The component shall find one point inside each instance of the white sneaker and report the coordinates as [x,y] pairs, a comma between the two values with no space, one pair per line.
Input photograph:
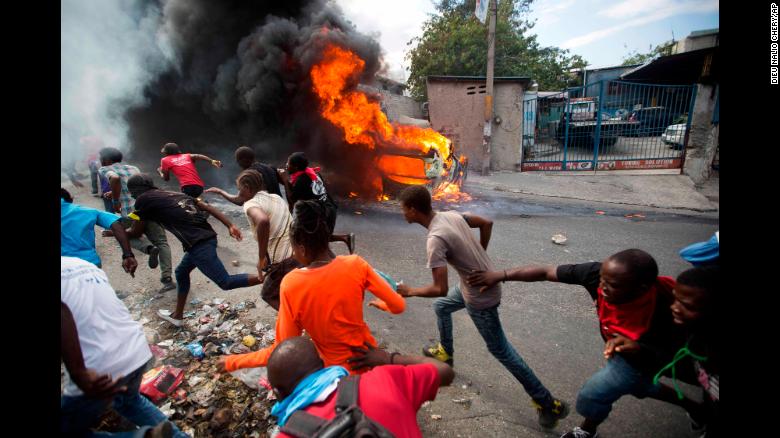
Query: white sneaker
[164,314]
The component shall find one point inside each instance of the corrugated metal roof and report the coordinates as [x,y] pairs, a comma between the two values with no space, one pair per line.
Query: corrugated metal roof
[521,79]
[698,33]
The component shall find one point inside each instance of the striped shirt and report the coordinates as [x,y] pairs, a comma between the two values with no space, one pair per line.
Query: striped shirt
[124,172]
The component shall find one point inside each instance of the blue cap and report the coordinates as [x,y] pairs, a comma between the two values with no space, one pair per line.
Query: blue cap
[703,252]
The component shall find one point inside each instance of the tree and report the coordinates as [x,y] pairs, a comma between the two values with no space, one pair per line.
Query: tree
[663,49]
[454,42]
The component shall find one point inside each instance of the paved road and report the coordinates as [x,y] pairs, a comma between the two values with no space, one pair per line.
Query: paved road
[553,326]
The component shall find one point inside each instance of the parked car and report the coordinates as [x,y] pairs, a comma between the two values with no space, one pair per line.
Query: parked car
[674,135]
[651,121]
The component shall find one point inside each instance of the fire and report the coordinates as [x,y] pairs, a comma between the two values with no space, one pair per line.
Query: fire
[383,197]
[450,192]
[353,195]
[363,123]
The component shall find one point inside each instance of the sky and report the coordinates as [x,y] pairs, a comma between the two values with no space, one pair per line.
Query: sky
[602,31]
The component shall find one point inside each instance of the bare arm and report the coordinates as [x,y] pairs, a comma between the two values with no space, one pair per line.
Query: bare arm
[487,279]
[234,231]
[262,224]
[235,199]
[439,287]
[215,163]
[116,189]
[485,226]
[370,357]
[136,230]
[282,176]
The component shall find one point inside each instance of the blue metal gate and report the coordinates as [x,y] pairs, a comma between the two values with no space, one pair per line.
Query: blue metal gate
[608,125]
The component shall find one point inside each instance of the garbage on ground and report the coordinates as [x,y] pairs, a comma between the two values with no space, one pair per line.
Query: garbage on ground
[186,383]
[634,215]
[235,263]
[158,382]
[559,239]
[601,212]
[435,417]
[196,349]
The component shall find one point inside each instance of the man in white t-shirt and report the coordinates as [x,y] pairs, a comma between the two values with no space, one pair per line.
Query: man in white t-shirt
[105,354]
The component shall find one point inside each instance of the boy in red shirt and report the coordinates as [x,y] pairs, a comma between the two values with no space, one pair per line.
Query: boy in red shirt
[390,394]
[183,166]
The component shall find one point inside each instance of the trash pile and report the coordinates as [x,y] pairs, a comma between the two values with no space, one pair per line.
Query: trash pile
[185,384]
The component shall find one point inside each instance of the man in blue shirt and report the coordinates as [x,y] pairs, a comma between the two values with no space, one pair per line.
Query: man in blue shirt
[77,233]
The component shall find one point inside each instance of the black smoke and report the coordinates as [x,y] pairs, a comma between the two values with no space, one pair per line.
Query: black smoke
[240,76]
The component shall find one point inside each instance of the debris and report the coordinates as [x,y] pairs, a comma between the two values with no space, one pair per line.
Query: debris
[634,215]
[158,352]
[159,382]
[194,381]
[358,212]
[600,212]
[250,376]
[249,340]
[165,312]
[435,417]
[196,301]
[462,401]
[559,239]
[218,301]
[166,343]
[222,307]
[196,349]
[189,314]
[143,321]
[205,319]
[235,263]
[166,409]
[221,419]
[269,336]
[239,348]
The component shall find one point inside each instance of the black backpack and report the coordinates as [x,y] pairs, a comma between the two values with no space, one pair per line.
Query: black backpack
[350,420]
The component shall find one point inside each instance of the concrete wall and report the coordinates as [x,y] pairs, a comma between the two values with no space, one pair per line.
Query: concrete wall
[460,116]
[703,138]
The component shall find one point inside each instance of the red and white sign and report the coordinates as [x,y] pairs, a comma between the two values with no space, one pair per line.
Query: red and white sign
[667,163]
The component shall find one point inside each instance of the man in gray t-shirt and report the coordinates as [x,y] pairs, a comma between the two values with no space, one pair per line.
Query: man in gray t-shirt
[451,241]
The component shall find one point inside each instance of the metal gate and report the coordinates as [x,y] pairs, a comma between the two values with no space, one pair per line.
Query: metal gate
[608,125]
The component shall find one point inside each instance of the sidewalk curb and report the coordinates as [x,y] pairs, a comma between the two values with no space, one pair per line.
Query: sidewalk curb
[500,188]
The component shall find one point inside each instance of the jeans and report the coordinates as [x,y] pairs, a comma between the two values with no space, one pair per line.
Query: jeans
[108,205]
[204,257]
[93,176]
[488,324]
[616,379]
[154,235]
[79,413]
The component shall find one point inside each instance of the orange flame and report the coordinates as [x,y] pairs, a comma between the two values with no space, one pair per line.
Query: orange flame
[450,192]
[363,122]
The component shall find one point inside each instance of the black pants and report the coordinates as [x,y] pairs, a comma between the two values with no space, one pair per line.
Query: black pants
[192,190]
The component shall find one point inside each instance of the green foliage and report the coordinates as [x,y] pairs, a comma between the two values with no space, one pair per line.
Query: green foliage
[454,42]
[663,49]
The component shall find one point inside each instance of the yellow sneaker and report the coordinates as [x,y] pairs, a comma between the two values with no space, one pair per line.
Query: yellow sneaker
[438,352]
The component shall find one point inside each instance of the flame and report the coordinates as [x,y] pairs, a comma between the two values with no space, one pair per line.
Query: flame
[353,195]
[450,192]
[363,122]
[383,197]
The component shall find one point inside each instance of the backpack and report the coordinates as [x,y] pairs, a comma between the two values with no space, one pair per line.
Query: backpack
[350,420]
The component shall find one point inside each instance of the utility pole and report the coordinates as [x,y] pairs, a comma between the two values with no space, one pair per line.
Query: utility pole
[487,130]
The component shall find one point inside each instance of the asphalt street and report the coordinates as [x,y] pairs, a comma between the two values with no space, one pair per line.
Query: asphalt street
[553,326]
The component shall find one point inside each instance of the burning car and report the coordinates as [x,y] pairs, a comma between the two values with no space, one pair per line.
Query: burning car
[405,154]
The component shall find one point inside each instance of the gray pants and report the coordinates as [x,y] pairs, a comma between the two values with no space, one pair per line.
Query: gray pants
[154,234]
